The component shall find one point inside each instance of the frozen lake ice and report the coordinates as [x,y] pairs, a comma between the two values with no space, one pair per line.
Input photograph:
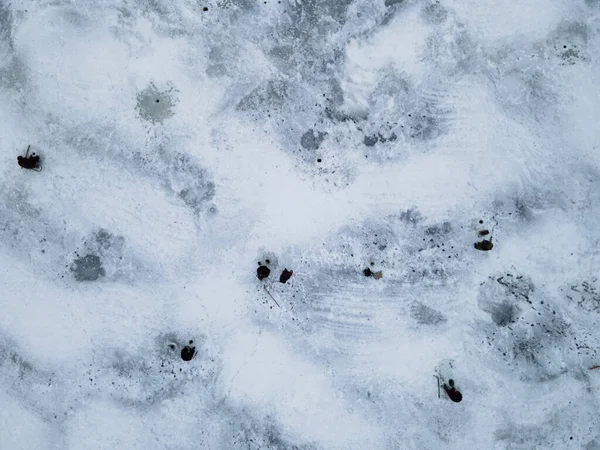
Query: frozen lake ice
[185,143]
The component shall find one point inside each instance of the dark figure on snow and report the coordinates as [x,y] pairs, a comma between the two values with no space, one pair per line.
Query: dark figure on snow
[285,275]
[188,352]
[262,272]
[484,245]
[452,392]
[29,161]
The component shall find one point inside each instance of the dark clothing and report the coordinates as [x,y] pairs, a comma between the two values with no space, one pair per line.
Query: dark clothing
[453,393]
[187,353]
[285,275]
[484,245]
[263,272]
[28,162]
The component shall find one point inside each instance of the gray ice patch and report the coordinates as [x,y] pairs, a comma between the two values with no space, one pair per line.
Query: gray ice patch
[424,127]
[88,268]
[434,13]
[75,18]
[504,313]
[190,182]
[522,210]
[262,433]
[371,140]
[273,94]
[220,58]
[235,4]
[103,257]
[195,198]
[6,24]
[104,238]
[154,105]
[503,297]
[439,230]
[336,94]
[592,445]
[426,315]
[311,11]
[14,74]
[411,216]
[282,52]
[312,140]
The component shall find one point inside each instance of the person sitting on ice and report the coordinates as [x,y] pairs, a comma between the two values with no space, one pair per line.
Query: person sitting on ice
[262,272]
[453,393]
[29,161]
[285,275]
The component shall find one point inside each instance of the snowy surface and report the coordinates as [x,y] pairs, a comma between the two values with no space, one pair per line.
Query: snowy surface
[185,141]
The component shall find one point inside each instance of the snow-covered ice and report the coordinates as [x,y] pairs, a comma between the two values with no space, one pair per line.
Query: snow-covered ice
[184,142]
